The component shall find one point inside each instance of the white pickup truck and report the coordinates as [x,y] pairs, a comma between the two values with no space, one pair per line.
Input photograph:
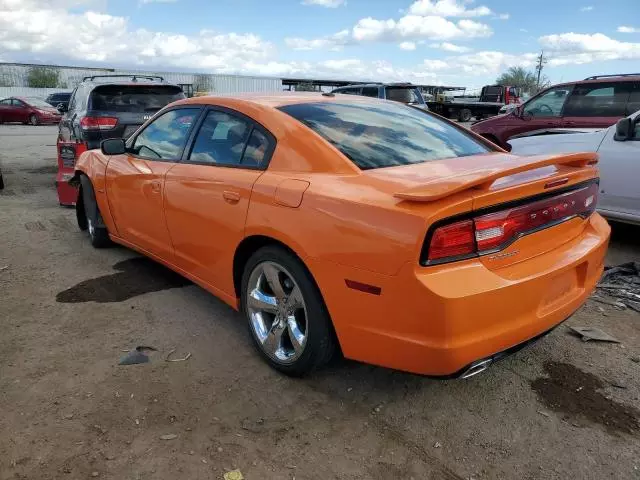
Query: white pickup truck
[619,149]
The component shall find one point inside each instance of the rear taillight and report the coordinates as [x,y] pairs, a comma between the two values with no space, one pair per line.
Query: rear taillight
[494,231]
[98,123]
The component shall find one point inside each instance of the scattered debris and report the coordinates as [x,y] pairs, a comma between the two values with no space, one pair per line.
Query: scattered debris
[592,333]
[437,445]
[137,355]
[544,414]
[95,474]
[635,359]
[169,436]
[613,303]
[2,269]
[171,352]
[618,385]
[623,283]
[233,475]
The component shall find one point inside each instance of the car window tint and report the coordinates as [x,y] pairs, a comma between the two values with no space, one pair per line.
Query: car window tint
[350,91]
[165,137]
[598,100]
[133,98]
[6,102]
[370,92]
[256,151]
[403,95]
[220,140]
[18,103]
[385,134]
[633,104]
[72,100]
[547,104]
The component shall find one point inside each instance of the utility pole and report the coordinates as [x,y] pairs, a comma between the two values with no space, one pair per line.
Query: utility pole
[539,66]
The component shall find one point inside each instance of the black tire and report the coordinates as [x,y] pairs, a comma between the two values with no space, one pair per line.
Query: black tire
[464,115]
[320,337]
[33,119]
[93,223]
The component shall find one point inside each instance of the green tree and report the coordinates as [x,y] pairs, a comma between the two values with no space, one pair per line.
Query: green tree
[521,78]
[43,77]
[306,87]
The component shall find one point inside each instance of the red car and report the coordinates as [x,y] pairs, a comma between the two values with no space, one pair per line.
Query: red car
[28,110]
[596,102]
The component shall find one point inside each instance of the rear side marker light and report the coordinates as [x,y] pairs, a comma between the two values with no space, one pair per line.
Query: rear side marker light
[98,123]
[363,287]
[495,231]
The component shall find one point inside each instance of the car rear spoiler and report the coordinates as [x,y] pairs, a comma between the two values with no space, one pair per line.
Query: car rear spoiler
[483,177]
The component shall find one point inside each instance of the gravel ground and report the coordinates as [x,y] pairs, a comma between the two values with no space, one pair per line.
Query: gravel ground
[557,410]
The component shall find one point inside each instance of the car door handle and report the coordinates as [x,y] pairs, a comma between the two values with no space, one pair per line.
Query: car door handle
[230,196]
[155,186]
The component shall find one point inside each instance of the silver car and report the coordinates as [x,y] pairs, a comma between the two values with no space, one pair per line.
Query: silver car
[619,149]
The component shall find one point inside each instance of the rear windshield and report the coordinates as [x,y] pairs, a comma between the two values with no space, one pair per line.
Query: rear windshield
[403,95]
[133,98]
[385,134]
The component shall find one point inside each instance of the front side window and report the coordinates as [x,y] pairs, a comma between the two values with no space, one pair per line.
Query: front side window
[633,105]
[385,134]
[6,102]
[221,140]
[547,104]
[166,136]
[598,100]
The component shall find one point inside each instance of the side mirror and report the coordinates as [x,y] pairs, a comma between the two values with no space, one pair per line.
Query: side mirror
[61,107]
[624,130]
[113,146]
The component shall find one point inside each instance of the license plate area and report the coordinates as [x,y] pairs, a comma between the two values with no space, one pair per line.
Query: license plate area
[561,289]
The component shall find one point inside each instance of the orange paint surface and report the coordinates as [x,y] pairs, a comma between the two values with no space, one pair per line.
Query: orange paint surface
[368,227]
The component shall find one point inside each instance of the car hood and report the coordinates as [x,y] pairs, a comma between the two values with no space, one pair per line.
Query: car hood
[559,143]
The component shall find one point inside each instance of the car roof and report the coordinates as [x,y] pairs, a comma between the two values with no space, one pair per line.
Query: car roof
[603,79]
[376,84]
[279,99]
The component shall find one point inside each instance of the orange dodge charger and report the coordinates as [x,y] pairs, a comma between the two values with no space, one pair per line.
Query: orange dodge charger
[347,222]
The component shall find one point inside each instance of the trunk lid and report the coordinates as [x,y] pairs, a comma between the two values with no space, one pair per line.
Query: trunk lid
[504,182]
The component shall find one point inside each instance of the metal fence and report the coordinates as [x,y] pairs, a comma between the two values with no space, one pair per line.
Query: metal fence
[14,75]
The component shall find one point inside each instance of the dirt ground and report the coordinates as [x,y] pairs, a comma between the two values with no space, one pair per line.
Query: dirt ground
[560,409]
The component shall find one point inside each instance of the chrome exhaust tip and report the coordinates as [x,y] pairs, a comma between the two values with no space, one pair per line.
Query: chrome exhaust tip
[476,368]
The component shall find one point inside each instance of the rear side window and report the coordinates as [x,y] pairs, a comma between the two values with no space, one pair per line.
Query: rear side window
[221,140]
[403,95]
[166,136]
[384,135]
[634,100]
[598,100]
[133,98]
[370,92]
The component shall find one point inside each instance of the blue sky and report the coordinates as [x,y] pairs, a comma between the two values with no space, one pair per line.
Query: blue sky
[459,42]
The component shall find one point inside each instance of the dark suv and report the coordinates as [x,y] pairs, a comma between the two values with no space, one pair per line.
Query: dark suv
[398,92]
[59,100]
[595,102]
[104,107]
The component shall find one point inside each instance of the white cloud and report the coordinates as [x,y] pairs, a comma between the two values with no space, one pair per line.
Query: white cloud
[524,30]
[504,16]
[407,46]
[450,47]
[325,3]
[333,42]
[447,8]
[578,48]
[623,29]
[416,27]
[586,9]
[157,1]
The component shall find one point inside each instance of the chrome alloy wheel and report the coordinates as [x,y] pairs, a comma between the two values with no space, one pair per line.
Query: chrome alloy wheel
[277,312]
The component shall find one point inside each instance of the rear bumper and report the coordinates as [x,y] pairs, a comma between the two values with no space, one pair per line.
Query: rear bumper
[439,320]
